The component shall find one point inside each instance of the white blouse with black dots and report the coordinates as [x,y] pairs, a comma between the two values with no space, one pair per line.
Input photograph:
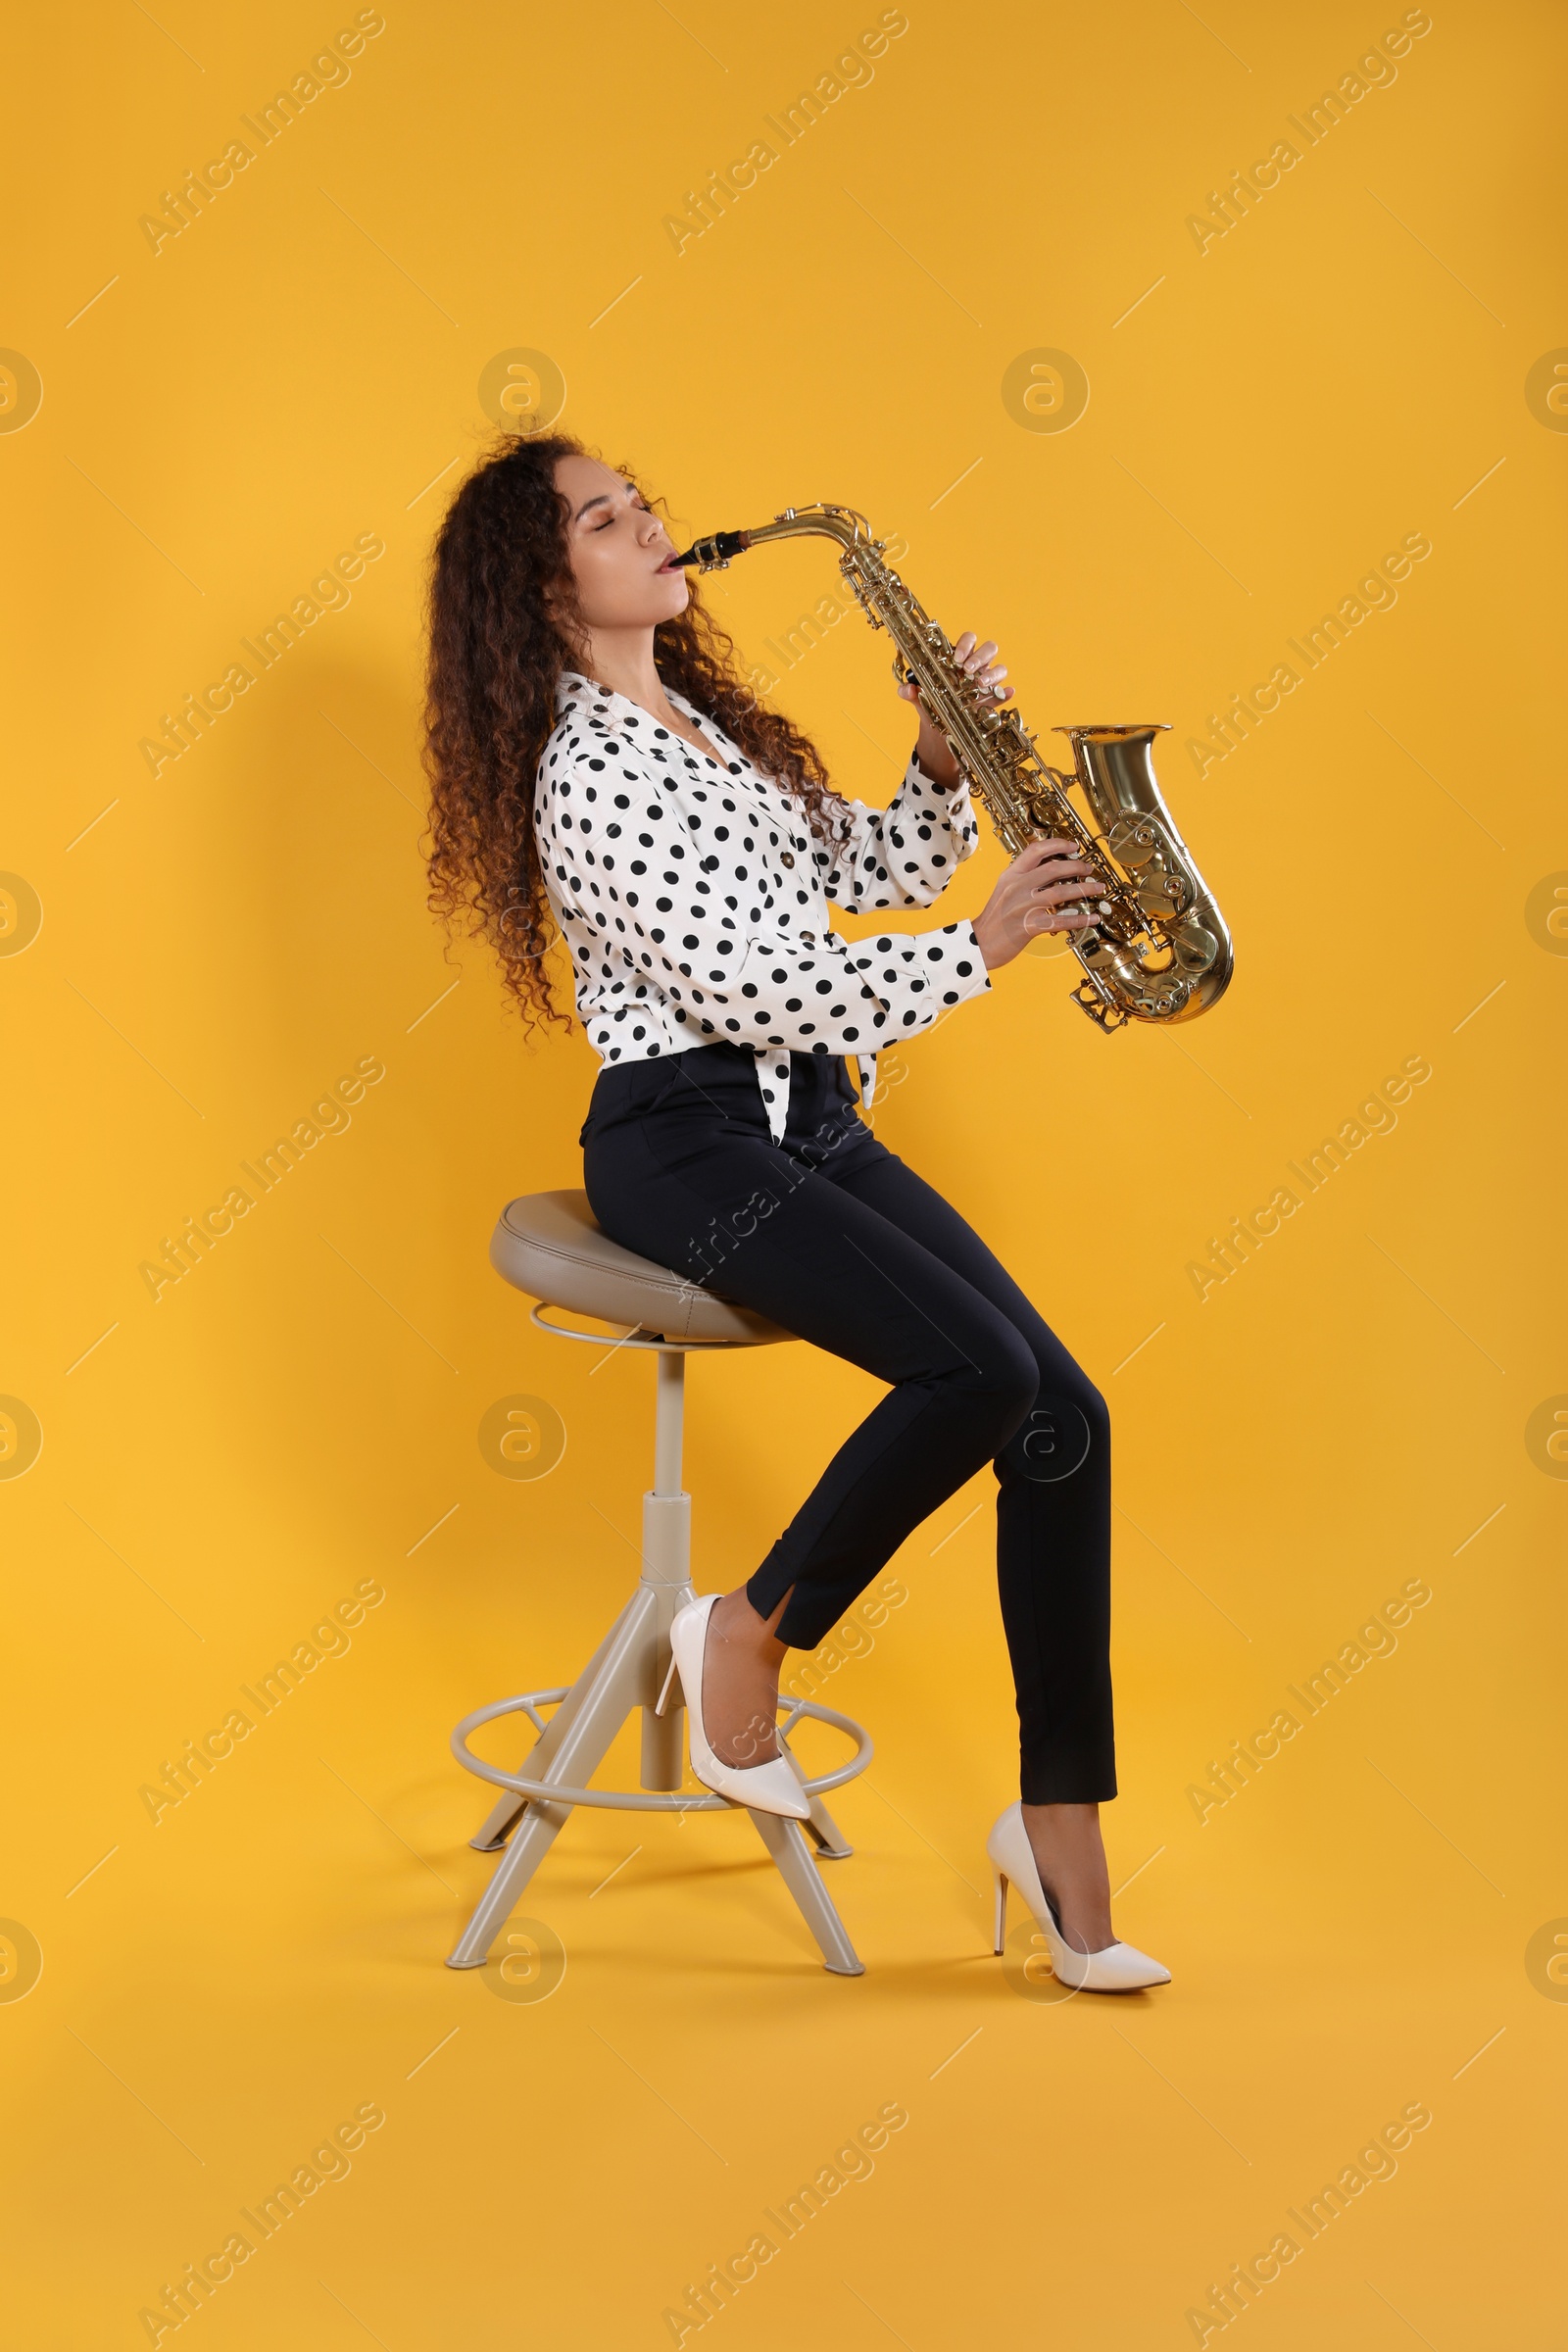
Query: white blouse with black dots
[693,898]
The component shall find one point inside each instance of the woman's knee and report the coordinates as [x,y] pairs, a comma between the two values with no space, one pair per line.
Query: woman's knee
[1068,1426]
[1005,1371]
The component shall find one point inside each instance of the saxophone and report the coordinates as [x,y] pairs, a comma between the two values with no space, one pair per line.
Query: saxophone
[1160,951]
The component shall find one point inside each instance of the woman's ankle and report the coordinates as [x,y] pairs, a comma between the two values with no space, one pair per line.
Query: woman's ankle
[1070,1856]
[736,1619]
[1073,1828]
[741,1662]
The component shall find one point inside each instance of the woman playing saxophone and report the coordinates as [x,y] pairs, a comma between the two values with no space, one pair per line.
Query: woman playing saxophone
[603,777]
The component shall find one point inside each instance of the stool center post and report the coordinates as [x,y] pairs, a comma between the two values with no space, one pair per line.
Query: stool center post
[670,1421]
[666,1506]
[666,1570]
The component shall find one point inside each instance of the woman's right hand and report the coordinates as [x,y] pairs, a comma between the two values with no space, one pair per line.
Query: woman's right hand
[1040,892]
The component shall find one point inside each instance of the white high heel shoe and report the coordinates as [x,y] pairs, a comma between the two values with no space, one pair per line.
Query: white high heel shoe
[1118,1967]
[769,1787]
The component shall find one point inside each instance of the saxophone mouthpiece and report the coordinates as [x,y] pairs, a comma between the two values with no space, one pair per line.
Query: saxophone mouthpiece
[713,553]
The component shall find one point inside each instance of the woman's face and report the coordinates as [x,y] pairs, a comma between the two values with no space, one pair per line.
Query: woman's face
[620,552]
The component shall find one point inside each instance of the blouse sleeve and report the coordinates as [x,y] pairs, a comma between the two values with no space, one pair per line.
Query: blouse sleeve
[906,854]
[632,862]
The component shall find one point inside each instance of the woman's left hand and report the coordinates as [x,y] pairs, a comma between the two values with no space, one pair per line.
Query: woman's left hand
[931,747]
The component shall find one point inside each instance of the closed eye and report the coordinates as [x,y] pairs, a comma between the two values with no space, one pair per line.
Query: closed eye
[641,508]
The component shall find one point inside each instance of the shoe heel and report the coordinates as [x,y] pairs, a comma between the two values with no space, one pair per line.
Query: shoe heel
[665,1691]
[1002,1912]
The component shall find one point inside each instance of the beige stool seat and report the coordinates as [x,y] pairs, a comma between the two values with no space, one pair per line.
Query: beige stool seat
[549,1245]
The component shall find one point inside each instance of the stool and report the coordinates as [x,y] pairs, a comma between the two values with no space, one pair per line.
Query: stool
[548,1245]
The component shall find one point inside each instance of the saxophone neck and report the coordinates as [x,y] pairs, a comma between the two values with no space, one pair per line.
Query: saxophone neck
[842,524]
[820,521]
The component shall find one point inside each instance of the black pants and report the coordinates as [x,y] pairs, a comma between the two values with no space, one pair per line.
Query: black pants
[834,1238]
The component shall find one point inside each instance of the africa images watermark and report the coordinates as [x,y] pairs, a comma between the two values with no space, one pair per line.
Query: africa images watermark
[198,1758]
[198,713]
[1230,206]
[851,2162]
[727,1233]
[199,2281]
[849,1637]
[1375,1116]
[184,1252]
[329,70]
[721,191]
[1376,1639]
[1377,2161]
[811,628]
[1374,594]
[843,1125]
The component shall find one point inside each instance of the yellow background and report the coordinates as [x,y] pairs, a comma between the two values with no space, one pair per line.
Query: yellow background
[222,942]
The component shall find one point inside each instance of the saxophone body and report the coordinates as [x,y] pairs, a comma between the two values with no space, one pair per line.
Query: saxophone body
[1161,952]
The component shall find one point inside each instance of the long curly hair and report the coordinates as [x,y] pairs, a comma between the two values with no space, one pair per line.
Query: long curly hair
[500,573]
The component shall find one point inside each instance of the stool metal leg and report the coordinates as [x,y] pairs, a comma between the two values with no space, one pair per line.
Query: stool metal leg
[822,1829]
[504,1817]
[619,1684]
[789,1849]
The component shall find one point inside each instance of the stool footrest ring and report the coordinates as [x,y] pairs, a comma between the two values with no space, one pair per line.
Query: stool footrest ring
[644,1800]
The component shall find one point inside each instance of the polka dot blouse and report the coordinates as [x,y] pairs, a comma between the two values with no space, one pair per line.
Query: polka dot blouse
[693,898]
